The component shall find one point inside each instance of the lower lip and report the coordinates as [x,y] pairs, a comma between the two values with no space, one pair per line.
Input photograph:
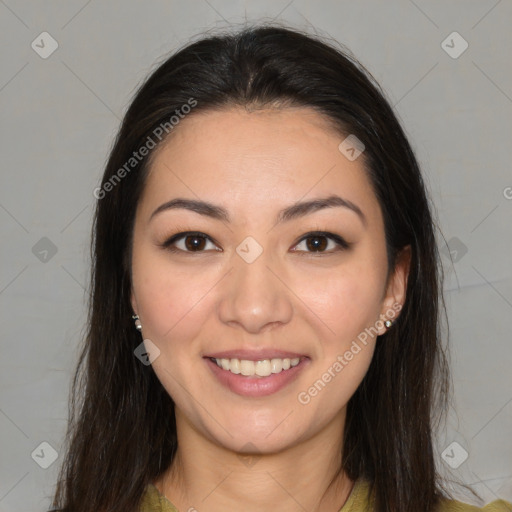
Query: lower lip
[253,386]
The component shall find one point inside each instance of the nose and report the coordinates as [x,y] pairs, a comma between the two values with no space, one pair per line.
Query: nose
[255,296]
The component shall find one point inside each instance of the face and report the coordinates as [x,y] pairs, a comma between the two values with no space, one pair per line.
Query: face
[258,282]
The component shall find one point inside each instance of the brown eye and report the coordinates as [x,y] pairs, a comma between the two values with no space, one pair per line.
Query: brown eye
[188,242]
[194,242]
[318,242]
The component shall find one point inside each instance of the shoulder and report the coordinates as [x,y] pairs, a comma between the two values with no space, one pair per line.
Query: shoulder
[153,501]
[360,500]
[458,506]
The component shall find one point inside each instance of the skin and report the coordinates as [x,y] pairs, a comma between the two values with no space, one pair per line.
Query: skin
[316,303]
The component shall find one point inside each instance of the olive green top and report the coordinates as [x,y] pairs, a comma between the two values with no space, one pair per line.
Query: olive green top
[357,501]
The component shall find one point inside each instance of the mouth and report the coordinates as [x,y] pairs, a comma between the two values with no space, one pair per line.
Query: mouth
[251,376]
[259,368]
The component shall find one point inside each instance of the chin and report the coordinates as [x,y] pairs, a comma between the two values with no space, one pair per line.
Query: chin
[269,435]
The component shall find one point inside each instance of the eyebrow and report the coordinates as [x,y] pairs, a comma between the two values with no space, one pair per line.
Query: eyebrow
[294,211]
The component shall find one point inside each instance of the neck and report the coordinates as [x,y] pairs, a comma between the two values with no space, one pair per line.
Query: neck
[306,476]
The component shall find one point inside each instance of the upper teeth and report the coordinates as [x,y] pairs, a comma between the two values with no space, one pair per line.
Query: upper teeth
[261,368]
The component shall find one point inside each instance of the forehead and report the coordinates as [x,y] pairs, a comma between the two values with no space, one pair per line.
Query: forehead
[258,161]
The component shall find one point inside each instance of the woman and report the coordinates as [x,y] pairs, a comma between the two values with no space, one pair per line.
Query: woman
[265,311]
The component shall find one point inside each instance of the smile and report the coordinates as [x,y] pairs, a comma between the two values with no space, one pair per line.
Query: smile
[259,377]
[262,368]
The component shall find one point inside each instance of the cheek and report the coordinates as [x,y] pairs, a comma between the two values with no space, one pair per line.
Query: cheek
[347,299]
[156,293]
[170,300]
[155,299]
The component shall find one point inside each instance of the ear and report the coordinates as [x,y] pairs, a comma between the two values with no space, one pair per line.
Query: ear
[133,301]
[396,290]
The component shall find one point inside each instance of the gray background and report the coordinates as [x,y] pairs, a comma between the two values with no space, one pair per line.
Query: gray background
[60,114]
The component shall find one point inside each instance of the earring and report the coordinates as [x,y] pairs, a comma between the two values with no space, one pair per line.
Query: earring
[388,323]
[138,325]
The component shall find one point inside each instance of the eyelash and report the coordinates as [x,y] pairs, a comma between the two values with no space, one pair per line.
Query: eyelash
[338,240]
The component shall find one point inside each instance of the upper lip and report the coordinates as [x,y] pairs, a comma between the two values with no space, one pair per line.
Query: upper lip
[255,355]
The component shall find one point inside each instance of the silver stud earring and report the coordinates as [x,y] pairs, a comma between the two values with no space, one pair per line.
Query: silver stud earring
[138,325]
[388,323]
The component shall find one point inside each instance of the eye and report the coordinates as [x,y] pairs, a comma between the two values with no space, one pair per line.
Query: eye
[314,242]
[319,241]
[190,241]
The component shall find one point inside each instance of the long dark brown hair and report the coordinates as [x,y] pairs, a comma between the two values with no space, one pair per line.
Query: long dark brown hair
[122,431]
